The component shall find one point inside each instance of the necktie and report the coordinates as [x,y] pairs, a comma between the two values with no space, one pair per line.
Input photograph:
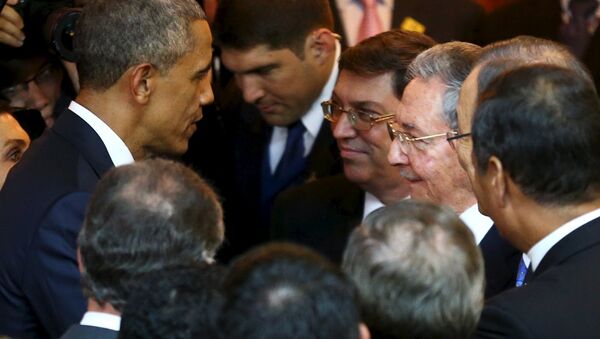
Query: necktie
[521,274]
[291,165]
[575,33]
[370,24]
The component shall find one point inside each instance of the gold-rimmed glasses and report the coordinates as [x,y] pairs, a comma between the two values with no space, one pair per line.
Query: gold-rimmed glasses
[361,121]
[408,142]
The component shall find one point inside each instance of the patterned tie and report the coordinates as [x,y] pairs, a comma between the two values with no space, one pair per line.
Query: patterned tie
[522,273]
[575,33]
[370,24]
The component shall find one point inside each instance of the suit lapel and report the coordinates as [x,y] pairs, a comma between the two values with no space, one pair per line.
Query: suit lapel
[501,262]
[324,158]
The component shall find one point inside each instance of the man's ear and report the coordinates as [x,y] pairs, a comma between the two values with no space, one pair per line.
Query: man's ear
[320,45]
[142,81]
[80,261]
[498,181]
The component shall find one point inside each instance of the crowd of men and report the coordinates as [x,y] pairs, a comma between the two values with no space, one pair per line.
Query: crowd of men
[351,176]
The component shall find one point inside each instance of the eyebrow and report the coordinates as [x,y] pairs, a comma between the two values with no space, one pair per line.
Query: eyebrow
[411,127]
[201,72]
[15,142]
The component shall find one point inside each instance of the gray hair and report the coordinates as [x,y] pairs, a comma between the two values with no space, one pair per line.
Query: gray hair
[418,271]
[524,50]
[113,35]
[451,63]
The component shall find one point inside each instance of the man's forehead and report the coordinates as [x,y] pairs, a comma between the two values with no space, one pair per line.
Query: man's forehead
[254,57]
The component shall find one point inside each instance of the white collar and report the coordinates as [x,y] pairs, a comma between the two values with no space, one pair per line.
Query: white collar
[313,119]
[371,204]
[478,223]
[342,3]
[117,150]
[539,250]
[102,320]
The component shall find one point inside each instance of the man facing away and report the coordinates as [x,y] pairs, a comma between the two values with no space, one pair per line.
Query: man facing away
[145,73]
[143,218]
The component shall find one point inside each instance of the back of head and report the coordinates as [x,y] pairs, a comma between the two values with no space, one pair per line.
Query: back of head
[451,63]
[113,35]
[527,49]
[277,24]
[418,271]
[287,291]
[390,51]
[179,303]
[145,217]
[542,123]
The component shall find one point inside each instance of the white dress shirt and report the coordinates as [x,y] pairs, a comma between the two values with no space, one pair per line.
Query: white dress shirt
[351,13]
[478,223]
[102,320]
[312,120]
[539,250]
[117,150]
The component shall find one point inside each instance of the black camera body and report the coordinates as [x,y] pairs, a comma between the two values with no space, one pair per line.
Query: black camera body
[50,23]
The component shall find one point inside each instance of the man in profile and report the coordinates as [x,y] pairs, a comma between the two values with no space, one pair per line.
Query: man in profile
[543,191]
[418,271]
[143,218]
[321,214]
[145,72]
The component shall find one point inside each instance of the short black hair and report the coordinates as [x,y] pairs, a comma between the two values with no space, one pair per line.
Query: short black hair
[144,217]
[390,51]
[178,303]
[542,123]
[278,24]
[287,291]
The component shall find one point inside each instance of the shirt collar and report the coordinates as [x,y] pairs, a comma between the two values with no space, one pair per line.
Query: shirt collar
[478,223]
[564,4]
[102,320]
[371,204]
[342,3]
[539,250]
[117,150]
[313,119]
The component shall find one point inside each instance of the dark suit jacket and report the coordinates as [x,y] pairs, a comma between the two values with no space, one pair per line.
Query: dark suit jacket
[561,298]
[243,136]
[89,332]
[461,24]
[540,18]
[41,209]
[501,261]
[320,215]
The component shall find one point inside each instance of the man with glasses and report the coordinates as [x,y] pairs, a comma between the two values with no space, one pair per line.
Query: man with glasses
[322,214]
[424,134]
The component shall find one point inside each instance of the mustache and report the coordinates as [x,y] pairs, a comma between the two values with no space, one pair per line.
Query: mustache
[408,174]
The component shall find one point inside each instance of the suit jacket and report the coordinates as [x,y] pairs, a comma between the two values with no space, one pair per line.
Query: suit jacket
[41,209]
[320,215]
[89,332]
[244,136]
[433,14]
[560,299]
[540,18]
[501,261]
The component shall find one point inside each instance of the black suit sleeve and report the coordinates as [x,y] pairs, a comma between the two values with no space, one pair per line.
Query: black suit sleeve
[497,322]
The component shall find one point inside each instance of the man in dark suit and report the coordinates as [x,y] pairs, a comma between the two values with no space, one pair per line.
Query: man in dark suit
[549,20]
[542,191]
[422,16]
[496,58]
[423,152]
[142,86]
[322,214]
[143,218]
[283,57]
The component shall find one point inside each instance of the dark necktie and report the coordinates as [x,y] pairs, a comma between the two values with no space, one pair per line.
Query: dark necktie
[521,273]
[291,165]
[575,33]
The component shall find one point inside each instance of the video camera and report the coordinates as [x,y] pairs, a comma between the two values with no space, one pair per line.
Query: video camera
[49,23]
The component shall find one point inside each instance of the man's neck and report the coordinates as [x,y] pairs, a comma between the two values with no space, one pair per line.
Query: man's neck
[94,306]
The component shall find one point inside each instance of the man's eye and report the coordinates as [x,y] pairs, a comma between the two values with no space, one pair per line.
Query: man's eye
[14,154]
[366,115]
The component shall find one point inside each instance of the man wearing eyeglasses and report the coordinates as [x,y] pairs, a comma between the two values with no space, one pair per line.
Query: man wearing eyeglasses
[322,214]
[423,151]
